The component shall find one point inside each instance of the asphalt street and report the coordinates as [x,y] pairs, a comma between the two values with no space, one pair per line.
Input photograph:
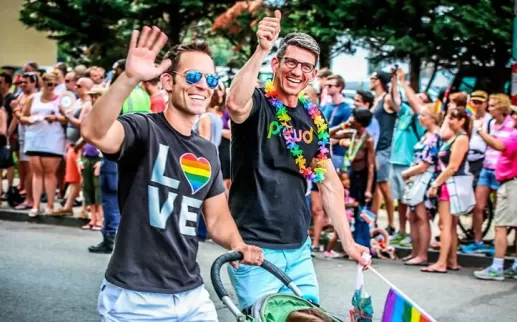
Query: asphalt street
[47,274]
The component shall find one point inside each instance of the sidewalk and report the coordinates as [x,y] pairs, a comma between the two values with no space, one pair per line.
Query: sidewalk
[475,260]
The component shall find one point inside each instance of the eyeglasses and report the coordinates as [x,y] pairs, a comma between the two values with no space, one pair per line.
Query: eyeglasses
[292,63]
[331,85]
[49,84]
[78,86]
[194,76]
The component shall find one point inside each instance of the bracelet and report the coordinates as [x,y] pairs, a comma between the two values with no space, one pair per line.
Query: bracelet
[343,125]
[341,142]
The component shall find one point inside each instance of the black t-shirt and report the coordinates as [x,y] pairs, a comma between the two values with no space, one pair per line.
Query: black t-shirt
[164,177]
[267,195]
[7,104]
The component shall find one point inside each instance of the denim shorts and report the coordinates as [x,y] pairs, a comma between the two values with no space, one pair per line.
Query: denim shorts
[383,165]
[487,179]
[251,283]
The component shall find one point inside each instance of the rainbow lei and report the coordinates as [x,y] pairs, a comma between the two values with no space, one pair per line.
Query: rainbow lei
[318,173]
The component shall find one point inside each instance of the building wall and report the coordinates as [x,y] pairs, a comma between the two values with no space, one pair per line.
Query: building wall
[20,44]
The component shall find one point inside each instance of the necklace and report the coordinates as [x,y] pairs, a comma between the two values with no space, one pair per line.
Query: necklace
[353,149]
[318,173]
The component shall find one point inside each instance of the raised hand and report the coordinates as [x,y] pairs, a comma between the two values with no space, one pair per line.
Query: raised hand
[140,61]
[268,31]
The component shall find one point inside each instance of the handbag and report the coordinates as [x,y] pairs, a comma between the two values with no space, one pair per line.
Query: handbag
[6,157]
[416,187]
[462,198]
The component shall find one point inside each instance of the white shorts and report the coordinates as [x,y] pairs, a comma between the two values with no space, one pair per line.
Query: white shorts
[118,304]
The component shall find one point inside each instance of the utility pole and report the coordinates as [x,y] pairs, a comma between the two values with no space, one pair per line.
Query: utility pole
[514,55]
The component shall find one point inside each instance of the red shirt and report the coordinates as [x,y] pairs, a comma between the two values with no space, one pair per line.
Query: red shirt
[158,103]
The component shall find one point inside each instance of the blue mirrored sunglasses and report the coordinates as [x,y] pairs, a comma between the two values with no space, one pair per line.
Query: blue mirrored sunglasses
[194,76]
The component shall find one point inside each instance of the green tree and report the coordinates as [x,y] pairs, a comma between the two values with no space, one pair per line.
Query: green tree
[98,31]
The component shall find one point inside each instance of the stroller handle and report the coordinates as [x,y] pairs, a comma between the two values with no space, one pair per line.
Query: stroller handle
[215,274]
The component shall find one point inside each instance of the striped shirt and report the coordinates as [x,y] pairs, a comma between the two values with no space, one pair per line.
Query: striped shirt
[500,132]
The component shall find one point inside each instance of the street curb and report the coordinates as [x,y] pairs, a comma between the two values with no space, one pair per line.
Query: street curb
[464,260]
[23,216]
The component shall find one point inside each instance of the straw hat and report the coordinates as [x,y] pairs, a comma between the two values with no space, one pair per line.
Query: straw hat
[97,90]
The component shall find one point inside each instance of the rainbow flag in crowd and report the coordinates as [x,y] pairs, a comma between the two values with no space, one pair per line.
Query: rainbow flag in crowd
[367,215]
[398,309]
[438,107]
[471,110]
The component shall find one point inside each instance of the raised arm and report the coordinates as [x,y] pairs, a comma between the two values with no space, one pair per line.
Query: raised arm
[100,127]
[239,102]
[393,99]
[410,93]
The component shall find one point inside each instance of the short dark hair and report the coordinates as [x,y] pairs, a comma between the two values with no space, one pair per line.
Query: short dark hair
[7,78]
[153,81]
[174,54]
[340,81]
[362,116]
[62,67]
[367,97]
[121,63]
[32,76]
[300,40]
[324,72]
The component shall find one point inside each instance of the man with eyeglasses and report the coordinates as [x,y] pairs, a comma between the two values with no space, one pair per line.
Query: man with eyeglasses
[167,174]
[277,141]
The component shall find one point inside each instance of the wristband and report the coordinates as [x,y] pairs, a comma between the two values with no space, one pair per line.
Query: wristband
[341,142]
[344,125]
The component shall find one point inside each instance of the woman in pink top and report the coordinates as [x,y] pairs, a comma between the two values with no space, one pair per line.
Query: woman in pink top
[501,127]
[506,210]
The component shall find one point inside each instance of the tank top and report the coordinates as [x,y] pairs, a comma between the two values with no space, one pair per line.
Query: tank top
[44,136]
[216,128]
[386,123]
[445,156]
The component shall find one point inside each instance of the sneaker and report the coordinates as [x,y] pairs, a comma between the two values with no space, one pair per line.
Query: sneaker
[473,248]
[395,240]
[406,242]
[332,254]
[390,230]
[489,273]
[510,272]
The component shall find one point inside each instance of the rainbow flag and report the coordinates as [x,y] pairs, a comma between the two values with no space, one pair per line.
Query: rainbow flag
[398,309]
[438,107]
[367,216]
[471,110]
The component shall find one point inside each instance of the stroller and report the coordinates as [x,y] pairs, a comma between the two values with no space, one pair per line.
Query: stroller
[270,308]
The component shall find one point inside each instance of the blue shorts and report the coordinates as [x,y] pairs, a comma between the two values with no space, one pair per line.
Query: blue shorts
[487,179]
[382,160]
[253,282]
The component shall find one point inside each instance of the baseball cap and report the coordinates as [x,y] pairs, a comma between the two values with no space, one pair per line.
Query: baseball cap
[382,76]
[480,96]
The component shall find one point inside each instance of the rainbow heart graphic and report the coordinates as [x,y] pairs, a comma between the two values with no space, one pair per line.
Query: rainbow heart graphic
[197,171]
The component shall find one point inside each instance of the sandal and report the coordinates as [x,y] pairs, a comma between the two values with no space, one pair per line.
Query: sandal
[87,227]
[23,206]
[407,258]
[422,263]
[97,228]
[429,269]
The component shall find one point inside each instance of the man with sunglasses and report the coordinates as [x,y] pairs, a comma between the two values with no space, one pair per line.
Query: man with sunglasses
[167,174]
[267,196]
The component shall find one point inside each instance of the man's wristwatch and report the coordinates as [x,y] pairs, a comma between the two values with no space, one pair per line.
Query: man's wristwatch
[434,185]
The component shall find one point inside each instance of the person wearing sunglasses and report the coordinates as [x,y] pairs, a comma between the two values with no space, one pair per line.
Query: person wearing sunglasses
[44,141]
[280,141]
[168,176]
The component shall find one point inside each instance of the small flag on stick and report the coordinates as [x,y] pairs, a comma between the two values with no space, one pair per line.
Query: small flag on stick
[471,110]
[398,309]
[367,215]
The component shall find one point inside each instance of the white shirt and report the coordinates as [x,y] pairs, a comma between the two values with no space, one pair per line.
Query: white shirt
[477,145]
